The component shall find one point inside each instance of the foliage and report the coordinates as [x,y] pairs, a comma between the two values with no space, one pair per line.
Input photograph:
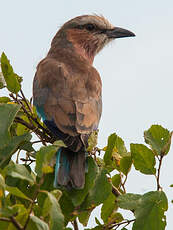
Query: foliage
[28,199]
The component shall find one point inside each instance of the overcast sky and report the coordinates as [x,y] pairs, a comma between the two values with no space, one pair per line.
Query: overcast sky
[137,73]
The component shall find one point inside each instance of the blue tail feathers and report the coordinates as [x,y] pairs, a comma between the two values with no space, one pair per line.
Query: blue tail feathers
[57,165]
[70,169]
[62,169]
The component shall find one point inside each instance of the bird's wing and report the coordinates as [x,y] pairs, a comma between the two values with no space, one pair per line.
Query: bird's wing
[72,99]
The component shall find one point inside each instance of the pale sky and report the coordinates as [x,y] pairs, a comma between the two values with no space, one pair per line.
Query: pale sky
[137,73]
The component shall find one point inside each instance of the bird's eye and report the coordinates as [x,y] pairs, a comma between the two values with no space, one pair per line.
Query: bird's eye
[90,27]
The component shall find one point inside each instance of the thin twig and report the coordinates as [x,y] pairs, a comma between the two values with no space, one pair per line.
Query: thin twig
[13,220]
[30,117]
[123,184]
[115,191]
[27,160]
[33,201]
[39,133]
[35,142]
[24,98]
[5,219]
[17,158]
[127,222]
[75,225]
[158,173]
[15,223]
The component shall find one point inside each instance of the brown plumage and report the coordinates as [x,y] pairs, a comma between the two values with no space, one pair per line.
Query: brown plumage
[67,89]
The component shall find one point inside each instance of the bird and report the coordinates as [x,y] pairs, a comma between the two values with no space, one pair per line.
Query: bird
[67,92]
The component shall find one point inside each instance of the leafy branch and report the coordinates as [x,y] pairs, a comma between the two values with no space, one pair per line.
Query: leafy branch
[28,199]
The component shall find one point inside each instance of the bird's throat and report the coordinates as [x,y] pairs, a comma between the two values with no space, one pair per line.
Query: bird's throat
[83,44]
[88,56]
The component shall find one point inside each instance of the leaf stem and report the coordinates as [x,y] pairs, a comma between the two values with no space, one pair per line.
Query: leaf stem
[13,220]
[127,222]
[15,223]
[115,191]
[123,184]
[33,201]
[158,173]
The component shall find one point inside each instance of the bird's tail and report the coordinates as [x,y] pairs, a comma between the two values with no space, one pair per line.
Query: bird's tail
[70,169]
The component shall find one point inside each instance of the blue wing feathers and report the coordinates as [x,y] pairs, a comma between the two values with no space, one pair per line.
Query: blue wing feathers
[40,112]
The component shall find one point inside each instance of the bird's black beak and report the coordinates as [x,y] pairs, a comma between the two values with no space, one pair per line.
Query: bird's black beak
[118,32]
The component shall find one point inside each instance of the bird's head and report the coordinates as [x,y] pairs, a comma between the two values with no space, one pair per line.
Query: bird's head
[88,34]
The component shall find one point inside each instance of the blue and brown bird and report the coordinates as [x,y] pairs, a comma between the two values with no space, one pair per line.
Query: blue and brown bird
[67,91]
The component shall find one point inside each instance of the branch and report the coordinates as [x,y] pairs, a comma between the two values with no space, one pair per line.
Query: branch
[123,184]
[43,137]
[127,222]
[75,225]
[30,117]
[33,201]
[24,98]
[15,223]
[115,191]
[5,219]
[158,173]
[13,220]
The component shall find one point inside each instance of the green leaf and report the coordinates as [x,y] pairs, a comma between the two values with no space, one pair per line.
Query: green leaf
[22,215]
[116,180]
[108,154]
[84,217]
[19,208]
[100,192]
[10,149]
[92,141]
[115,148]
[129,201]
[4,225]
[117,217]
[150,212]
[27,146]
[12,80]
[2,182]
[59,144]
[143,158]
[19,171]
[120,147]
[2,81]
[158,138]
[125,164]
[97,221]
[67,206]
[21,129]
[7,114]
[108,207]
[4,99]
[43,159]
[51,207]
[78,196]
[16,192]
[36,223]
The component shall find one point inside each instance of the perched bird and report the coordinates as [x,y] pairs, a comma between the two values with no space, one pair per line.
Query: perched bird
[67,91]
